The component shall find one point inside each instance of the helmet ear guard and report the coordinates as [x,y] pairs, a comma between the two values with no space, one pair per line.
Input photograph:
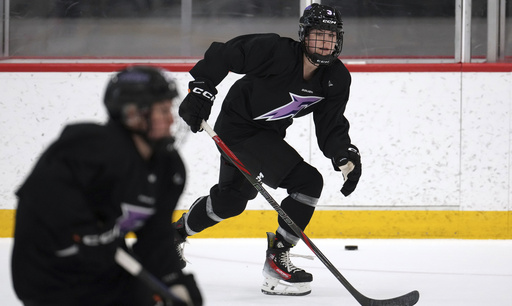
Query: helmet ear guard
[135,118]
[321,17]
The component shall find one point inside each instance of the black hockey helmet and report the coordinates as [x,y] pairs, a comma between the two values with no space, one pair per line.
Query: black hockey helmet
[139,85]
[321,17]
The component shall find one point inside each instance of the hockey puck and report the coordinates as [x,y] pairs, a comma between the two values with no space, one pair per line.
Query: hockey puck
[351,247]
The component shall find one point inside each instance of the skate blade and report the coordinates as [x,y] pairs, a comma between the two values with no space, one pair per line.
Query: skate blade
[274,286]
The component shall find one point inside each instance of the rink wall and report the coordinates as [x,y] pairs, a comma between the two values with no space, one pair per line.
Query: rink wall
[435,139]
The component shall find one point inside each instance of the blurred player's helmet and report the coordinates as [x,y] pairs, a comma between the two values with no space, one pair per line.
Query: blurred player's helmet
[321,17]
[139,85]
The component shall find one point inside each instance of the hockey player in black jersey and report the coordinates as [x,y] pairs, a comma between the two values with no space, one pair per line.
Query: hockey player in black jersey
[283,79]
[91,187]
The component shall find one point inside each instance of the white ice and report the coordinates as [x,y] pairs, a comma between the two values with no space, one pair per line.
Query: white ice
[445,272]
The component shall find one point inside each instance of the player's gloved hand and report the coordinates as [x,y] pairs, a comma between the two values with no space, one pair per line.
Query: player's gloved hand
[197,105]
[184,287]
[349,163]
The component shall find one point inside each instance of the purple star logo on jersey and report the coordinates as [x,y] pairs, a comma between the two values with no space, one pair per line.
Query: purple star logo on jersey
[291,109]
[133,217]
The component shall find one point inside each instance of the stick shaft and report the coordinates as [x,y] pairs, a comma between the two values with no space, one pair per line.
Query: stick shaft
[132,266]
[298,231]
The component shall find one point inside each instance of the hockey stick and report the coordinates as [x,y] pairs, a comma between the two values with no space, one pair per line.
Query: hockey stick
[408,299]
[132,266]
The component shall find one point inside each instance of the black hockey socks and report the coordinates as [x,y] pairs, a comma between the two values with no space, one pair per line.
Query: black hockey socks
[300,214]
[197,217]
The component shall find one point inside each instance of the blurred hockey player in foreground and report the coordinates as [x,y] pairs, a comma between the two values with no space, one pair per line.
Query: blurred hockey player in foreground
[91,187]
[284,79]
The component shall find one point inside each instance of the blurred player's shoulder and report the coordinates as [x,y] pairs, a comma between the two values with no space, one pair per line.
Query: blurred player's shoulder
[91,140]
[89,130]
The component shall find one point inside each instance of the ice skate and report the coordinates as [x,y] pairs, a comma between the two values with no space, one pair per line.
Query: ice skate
[280,276]
[179,241]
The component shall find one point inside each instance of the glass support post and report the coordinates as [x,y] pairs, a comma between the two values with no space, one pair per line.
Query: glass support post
[463,31]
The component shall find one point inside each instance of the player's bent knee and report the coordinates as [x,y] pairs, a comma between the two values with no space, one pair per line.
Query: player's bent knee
[305,179]
[227,203]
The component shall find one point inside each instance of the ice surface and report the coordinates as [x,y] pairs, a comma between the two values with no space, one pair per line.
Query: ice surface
[445,272]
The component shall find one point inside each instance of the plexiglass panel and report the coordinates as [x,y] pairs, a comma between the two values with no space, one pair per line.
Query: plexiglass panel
[374,29]
[507,49]
[140,28]
[398,28]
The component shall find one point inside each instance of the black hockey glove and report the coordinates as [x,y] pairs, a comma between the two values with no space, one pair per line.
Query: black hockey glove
[185,288]
[197,105]
[349,163]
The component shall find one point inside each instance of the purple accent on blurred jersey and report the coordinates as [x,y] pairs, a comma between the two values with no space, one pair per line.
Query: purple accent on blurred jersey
[133,217]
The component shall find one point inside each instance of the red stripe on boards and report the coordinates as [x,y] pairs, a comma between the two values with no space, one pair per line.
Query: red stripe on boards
[185,67]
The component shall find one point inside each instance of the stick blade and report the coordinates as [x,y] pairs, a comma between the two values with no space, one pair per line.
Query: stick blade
[408,299]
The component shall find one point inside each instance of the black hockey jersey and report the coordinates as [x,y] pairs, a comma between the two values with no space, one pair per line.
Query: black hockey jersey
[273,91]
[87,191]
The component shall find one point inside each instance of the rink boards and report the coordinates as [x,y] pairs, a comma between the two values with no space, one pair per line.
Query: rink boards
[435,140]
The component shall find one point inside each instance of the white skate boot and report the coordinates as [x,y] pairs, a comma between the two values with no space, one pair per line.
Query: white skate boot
[281,277]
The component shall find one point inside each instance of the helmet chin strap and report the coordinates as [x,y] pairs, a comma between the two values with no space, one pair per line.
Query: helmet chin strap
[157,146]
[308,56]
[163,145]
[317,59]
